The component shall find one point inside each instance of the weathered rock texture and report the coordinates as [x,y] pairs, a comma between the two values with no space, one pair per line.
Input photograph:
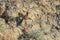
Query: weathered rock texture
[29,19]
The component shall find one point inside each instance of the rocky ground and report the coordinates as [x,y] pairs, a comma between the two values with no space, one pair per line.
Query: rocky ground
[29,19]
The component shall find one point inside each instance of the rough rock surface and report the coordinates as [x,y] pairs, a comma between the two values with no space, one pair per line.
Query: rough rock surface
[29,19]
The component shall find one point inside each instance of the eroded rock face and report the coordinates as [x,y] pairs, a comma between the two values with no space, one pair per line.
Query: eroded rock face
[29,20]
